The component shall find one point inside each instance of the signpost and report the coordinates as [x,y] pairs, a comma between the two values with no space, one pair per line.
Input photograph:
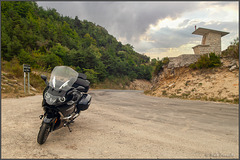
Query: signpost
[26,68]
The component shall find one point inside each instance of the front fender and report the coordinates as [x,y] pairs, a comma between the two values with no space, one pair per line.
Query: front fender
[48,120]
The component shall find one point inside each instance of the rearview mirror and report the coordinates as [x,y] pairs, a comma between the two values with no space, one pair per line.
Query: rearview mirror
[44,77]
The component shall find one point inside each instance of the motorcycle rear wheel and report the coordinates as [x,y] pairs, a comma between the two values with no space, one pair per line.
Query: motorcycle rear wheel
[43,133]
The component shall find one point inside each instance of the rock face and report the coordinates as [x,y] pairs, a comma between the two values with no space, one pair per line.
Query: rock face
[233,68]
[230,63]
[216,84]
[182,60]
[139,84]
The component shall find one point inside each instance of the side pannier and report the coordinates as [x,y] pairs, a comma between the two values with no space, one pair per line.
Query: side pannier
[84,102]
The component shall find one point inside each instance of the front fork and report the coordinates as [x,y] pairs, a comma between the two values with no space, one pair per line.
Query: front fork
[51,121]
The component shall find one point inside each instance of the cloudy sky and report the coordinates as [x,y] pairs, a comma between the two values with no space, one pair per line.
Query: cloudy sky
[156,28]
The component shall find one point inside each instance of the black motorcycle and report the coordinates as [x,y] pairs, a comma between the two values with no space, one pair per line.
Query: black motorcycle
[63,99]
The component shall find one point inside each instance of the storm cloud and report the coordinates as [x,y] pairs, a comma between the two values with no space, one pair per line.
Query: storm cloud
[122,19]
[153,26]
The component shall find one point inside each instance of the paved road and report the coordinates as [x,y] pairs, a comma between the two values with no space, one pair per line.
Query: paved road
[125,124]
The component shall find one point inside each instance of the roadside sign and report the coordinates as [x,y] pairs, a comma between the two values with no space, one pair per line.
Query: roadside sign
[26,68]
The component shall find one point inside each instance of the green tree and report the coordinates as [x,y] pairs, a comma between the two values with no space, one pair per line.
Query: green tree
[62,52]
[91,75]
[51,60]
[25,57]
[44,39]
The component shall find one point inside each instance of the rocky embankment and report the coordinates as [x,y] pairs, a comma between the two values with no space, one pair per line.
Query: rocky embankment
[217,84]
[12,87]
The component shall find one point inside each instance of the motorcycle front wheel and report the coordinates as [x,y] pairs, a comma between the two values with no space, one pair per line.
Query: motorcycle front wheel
[43,133]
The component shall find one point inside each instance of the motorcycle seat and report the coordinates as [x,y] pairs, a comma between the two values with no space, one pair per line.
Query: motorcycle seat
[82,81]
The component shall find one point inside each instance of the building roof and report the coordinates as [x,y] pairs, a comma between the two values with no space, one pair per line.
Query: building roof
[202,31]
[200,45]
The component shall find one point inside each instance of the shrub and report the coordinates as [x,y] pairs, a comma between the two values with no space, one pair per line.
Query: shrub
[51,60]
[25,57]
[164,93]
[158,67]
[160,64]
[232,50]
[207,61]
[37,82]
[165,60]
[91,75]
[13,67]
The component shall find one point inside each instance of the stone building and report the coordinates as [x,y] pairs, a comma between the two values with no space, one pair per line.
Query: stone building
[211,41]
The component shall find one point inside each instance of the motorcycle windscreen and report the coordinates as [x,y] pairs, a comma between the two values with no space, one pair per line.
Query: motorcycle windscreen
[62,78]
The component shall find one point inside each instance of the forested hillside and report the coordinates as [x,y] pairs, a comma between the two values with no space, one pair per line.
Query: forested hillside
[44,39]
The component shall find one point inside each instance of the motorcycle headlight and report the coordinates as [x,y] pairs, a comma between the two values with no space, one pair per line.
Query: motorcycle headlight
[50,99]
[62,99]
[47,95]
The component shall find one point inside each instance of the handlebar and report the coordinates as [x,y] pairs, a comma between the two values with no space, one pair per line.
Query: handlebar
[78,89]
[76,95]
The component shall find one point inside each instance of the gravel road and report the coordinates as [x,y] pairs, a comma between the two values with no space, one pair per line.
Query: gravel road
[124,124]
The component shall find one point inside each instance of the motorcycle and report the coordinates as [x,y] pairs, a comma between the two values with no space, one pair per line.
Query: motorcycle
[64,97]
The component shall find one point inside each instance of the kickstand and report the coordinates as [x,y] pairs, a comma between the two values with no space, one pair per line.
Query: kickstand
[69,128]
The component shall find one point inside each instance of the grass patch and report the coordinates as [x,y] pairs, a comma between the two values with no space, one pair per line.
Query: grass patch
[224,100]
[13,77]
[147,92]
[13,68]
[194,89]
[113,83]
[187,83]
[185,95]
[37,82]
[174,96]
[178,91]
[236,101]
[164,93]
